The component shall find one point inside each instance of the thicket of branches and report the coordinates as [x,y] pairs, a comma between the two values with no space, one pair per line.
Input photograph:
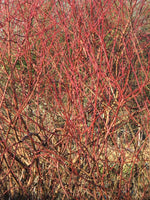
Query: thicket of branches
[74,99]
